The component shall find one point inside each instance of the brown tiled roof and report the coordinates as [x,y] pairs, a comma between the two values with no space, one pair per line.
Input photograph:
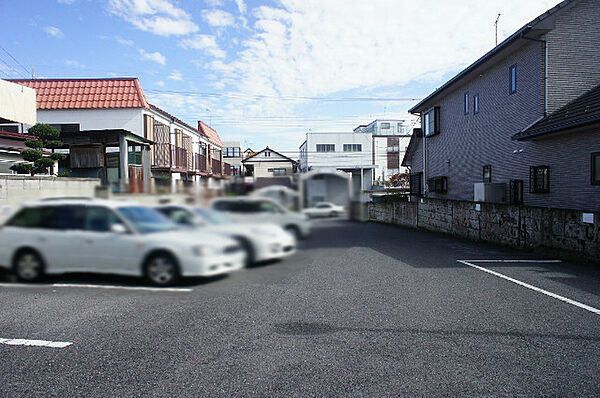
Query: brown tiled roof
[211,133]
[87,93]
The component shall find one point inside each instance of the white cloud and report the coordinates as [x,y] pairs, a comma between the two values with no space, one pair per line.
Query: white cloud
[66,1]
[218,18]
[155,56]
[160,17]
[206,43]
[74,64]
[124,42]
[214,3]
[54,31]
[175,75]
[241,5]
[314,48]
[160,83]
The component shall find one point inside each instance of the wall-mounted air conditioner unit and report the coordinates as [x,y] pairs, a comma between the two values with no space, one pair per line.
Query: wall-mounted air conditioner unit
[489,192]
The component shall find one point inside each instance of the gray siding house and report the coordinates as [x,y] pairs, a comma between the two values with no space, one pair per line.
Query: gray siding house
[490,123]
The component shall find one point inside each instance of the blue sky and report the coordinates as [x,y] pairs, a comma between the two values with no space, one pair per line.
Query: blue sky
[261,72]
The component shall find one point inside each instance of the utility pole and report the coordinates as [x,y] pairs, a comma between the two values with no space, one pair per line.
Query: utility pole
[496,23]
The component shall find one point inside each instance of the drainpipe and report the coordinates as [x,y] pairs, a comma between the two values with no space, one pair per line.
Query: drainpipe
[424,182]
[545,69]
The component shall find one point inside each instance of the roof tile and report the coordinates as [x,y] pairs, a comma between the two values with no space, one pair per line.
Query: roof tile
[87,93]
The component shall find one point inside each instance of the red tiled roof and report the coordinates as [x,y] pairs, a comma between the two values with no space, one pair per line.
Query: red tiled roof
[211,133]
[87,93]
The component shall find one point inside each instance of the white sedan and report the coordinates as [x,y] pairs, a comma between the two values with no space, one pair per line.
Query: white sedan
[324,209]
[59,236]
[261,242]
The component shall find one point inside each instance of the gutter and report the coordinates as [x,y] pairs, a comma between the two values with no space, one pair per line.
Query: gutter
[545,69]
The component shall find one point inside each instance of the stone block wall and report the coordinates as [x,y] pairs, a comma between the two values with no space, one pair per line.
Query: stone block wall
[557,230]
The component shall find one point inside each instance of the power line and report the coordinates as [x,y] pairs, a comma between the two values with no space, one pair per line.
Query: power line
[18,63]
[282,97]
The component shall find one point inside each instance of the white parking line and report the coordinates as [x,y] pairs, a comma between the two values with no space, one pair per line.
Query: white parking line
[36,343]
[147,289]
[527,285]
[513,261]
[75,285]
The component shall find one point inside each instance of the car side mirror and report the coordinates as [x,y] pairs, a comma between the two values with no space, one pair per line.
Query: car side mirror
[118,229]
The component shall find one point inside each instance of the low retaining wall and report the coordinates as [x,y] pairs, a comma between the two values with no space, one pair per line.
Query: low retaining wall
[561,231]
[17,189]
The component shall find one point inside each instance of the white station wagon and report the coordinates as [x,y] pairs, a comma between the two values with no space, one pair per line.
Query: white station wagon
[110,237]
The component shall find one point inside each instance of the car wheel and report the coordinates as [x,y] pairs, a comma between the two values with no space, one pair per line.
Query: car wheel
[28,266]
[294,230]
[249,250]
[161,270]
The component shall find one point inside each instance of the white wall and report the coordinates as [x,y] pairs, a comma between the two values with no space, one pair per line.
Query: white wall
[261,168]
[17,189]
[339,158]
[96,119]
[17,103]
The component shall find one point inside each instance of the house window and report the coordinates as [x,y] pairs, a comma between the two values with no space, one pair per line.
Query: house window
[267,154]
[516,192]
[431,121]
[476,104]
[415,183]
[487,173]
[596,168]
[325,147]
[438,184]
[232,152]
[539,179]
[385,126]
[352,147]
[513,79]
[9,128]
[67,128]
[277,171]
[466,107]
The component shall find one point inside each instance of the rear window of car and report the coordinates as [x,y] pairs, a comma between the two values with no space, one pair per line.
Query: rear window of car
[50,217]
[238,207]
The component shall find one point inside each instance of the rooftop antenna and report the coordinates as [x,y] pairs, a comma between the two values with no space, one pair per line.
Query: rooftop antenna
[32,72]
[496,23]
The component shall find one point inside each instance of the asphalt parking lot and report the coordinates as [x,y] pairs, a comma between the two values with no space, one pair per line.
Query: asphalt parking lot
[362,310]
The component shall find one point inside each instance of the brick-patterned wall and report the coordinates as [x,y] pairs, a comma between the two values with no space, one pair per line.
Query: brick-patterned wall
[468,142]
[573,54]
[559,230]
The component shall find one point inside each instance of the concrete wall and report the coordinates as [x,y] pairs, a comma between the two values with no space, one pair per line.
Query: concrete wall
[17,189]
[554,230]
[339,158]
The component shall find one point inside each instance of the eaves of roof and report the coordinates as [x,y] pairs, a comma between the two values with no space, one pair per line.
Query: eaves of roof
[506,43]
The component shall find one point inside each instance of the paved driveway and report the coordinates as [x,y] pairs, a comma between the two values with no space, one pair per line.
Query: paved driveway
[363,310]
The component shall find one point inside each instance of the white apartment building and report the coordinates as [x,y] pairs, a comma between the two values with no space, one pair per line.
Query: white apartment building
[342,151]
[390,138]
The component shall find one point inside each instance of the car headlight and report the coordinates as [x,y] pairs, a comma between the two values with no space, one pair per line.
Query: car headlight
[203,250]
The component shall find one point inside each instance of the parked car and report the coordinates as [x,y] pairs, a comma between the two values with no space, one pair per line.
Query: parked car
[53,237]
[324,209]
[261,242]
[261,210]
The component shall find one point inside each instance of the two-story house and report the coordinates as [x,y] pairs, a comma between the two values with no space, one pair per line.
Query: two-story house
[95,116]
[519,125]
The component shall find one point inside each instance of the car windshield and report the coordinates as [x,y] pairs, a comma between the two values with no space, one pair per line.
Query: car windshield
[146,220]
[213,217]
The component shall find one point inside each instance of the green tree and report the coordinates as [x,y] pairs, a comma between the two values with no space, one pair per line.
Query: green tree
[42,136]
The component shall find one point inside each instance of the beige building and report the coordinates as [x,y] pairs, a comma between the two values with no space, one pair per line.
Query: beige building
[269,163]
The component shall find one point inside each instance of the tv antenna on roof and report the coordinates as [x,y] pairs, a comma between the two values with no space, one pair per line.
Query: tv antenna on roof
[496,23]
